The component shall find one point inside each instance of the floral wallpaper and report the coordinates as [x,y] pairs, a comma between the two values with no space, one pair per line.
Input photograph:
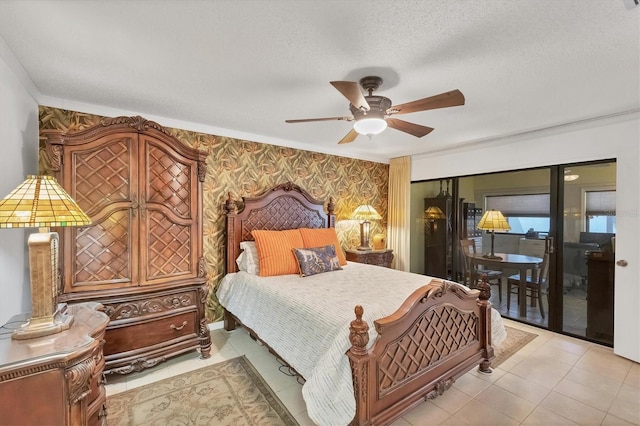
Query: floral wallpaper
[246,168]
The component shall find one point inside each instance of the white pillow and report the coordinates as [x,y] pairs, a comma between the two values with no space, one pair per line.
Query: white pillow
[248,259]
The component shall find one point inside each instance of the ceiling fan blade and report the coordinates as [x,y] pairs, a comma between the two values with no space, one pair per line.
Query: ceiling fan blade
[443,100]
[351,91]
[404,126]
[306,120]
[350,137]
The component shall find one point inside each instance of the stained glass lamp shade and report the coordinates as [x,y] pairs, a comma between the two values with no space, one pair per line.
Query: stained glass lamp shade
[365,213]
[40,202]
[493,220]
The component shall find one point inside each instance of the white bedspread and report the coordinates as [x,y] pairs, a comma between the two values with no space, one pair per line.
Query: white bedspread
[316,347]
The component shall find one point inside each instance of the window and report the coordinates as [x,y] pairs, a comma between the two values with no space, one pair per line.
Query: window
[522,211]
[600,211]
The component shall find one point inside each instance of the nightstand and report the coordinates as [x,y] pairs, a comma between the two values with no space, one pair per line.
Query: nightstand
[372,257]
[55,379]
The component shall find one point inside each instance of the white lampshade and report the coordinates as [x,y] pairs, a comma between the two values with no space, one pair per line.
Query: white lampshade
[370,126]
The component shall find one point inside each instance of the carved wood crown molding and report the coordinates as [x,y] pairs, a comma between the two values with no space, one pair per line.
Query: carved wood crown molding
[136,122]
[53,138]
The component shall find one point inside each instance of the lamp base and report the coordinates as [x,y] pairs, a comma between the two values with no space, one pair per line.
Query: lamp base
[491,256]
[364,248]
[44,326]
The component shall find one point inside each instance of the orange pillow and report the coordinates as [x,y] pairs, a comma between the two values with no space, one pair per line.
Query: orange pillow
[322,237]
[275,251]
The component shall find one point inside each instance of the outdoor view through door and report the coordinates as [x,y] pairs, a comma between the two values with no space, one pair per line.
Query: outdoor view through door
[556,266]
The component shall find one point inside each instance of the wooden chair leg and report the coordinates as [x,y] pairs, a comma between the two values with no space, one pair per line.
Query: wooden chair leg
[540,303]
[508,295]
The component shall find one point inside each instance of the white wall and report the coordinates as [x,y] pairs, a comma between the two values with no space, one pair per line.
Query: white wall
[615,137]
[19,148]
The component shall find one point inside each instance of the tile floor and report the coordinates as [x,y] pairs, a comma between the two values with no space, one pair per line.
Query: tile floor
[554,380]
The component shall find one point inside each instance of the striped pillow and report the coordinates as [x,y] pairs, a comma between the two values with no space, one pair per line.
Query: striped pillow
[275,251]
[322,237]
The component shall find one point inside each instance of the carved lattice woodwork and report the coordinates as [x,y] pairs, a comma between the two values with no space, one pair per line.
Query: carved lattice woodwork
[281,213]
[436,335]
[102,253]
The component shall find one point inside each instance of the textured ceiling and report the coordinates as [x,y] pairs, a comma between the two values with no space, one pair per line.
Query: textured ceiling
[241,67]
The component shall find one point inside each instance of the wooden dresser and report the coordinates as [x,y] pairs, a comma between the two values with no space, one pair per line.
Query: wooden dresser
[142,257]
[372,257]
[56,379]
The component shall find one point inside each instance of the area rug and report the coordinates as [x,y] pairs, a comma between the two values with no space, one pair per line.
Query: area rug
[516,340]
[228,393]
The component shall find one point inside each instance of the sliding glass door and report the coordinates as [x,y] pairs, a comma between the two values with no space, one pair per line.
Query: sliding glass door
[587,270]
[561,242]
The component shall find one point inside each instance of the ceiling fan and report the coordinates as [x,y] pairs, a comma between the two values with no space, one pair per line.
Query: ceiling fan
[372,113]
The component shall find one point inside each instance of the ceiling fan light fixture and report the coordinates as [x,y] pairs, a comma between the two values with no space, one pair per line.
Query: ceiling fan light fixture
[370,126]
[570,177]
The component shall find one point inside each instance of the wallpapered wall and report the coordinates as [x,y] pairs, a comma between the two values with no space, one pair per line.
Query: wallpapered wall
[249,168]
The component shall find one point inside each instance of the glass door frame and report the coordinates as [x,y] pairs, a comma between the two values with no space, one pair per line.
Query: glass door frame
[556,231]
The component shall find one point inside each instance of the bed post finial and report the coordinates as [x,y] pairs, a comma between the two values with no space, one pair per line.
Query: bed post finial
[484,287]
[359,333]
[230,205]
[331,207]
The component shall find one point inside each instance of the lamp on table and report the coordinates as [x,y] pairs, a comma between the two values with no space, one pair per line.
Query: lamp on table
[432,214]
[493,220]
[40,202]
[365,213]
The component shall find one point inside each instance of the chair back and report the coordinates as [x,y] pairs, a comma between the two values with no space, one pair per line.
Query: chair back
[468,248]
[543,270]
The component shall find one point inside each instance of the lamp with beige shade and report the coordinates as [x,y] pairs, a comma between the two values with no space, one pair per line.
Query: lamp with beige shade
[493,220]
[365,213]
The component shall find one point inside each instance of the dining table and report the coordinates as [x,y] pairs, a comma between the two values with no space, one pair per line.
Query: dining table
[502,261]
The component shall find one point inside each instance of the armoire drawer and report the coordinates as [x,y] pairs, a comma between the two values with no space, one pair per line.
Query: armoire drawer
[150,332]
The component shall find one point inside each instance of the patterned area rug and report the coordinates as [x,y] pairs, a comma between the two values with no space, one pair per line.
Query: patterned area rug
[228,393]
[516,340]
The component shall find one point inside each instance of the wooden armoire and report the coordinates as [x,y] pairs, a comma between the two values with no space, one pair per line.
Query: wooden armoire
[142,257]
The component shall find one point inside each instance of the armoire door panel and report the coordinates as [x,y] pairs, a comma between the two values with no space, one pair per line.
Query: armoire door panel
[103,176]
[168,248]
[102,255]
[170,179]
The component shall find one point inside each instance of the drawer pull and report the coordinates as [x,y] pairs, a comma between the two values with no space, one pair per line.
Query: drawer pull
[178,327]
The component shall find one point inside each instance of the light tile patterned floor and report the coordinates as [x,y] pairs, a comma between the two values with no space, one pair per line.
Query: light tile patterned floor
[554,380]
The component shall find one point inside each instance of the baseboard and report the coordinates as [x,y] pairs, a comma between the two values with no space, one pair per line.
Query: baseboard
[218,325]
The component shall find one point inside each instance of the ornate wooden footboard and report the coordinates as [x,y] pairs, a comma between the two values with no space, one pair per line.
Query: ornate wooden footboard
[439,333]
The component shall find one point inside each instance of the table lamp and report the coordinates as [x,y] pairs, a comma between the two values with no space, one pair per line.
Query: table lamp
[432,214]
[364,213]
[41,202]
[493,220]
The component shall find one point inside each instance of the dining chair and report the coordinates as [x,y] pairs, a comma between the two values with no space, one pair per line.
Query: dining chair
[536,281]
[468,247]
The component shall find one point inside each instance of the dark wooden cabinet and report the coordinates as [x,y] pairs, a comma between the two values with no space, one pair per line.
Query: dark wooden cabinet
[372,257]
[56,379]
[439,238]
[600,285]
[142,257]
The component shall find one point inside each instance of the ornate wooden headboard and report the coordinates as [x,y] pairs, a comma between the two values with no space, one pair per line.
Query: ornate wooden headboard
[285,206]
